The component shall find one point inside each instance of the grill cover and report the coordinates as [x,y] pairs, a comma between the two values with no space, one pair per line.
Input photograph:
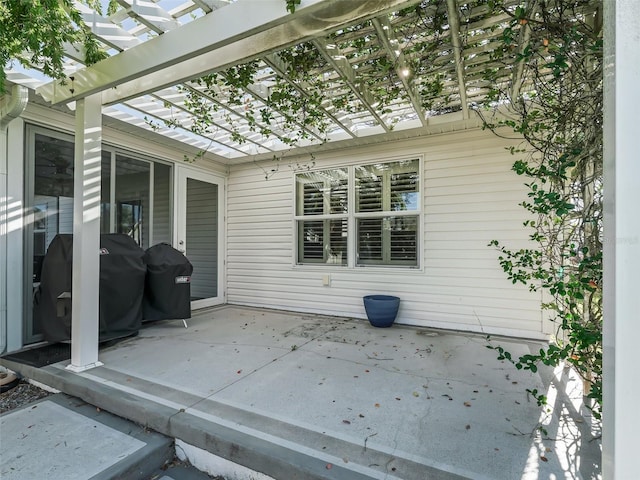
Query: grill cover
[55,279]
[122,273]
[167,292]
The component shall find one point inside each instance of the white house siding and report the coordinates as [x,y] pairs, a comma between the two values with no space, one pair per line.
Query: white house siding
[470,197]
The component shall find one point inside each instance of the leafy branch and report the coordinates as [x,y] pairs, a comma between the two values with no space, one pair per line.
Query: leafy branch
[558,114]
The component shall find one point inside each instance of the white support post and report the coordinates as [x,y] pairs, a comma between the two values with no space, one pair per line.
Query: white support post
[621,376]
[86,235]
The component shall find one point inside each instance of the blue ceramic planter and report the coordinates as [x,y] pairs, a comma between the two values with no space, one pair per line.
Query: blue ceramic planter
[381,309]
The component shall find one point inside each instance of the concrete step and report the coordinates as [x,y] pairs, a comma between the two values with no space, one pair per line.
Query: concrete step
[64,438]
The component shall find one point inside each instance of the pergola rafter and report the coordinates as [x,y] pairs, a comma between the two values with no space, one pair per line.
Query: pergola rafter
[363,48]
[208,6]
[523,41]
[454,31]
[157,107]
[108,32]
[340,64]
[403,68]
[215,42]
[197,91]
[278,65]
[150,14]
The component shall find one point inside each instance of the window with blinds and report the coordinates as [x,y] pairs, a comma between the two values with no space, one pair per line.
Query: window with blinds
[322,196]
[386,211]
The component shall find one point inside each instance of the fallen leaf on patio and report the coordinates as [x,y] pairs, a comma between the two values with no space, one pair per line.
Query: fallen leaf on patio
[377,405]
[239,372]
[416,394]
[497,449]
[543,458]
[514,383]
[346,421]
[367,371]
[517,402]
[467,427]
[355,376]
[547,449]
[361,415]
[467,404]
[398,398]
[329,466]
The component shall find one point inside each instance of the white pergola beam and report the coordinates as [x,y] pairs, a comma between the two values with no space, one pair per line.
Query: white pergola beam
[210,5]
[525,37]
[107,31]
[279,66]
[387,37]
[150,14]
[233,112]
[454,31]
[341,65]
[235,34]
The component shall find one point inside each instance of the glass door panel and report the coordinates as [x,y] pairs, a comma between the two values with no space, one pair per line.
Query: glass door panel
[49,191]
[132,199]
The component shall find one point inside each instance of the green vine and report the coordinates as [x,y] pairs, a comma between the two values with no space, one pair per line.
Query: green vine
[558,112]
[292,4]
[34,34]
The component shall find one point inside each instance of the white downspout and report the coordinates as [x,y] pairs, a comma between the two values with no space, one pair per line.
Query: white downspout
[11,107]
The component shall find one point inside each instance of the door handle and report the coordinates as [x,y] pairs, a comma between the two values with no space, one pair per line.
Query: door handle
[181,248]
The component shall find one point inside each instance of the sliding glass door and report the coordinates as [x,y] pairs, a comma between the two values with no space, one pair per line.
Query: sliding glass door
[136,198]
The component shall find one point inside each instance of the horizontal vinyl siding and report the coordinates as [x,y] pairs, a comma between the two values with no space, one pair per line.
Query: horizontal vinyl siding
[470,197]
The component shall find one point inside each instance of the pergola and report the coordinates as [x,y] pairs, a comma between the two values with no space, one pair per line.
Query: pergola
[159,49]
[381,67]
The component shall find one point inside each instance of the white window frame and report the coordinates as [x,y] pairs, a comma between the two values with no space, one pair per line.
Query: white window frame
[353,216]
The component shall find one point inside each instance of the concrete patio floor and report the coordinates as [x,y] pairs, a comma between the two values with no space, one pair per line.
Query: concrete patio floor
[308,396]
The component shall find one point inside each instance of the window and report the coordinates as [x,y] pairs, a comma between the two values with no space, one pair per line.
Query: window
[322,204]
[381,227]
